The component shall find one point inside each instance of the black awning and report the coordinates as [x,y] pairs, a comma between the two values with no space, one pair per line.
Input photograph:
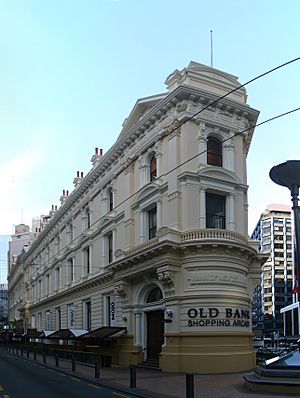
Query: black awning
[32,334]
[67,334]
[102,333]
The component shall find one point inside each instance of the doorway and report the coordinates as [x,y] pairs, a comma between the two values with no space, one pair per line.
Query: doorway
[155,334]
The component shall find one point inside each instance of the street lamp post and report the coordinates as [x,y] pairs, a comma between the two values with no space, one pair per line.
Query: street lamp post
[288,175]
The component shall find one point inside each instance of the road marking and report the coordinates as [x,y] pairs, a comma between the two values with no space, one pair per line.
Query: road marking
[93,385]
[74,378]
[51,370]
[61,374]
[121,395]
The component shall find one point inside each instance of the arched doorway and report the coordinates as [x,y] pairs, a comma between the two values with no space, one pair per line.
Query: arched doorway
[155,324]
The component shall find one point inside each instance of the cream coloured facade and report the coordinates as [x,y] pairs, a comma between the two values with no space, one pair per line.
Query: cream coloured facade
[154,237]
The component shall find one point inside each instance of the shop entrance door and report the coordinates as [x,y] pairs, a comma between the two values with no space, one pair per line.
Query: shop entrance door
[155,334]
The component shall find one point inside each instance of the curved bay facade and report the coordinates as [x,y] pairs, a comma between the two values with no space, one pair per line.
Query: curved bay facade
[154,238]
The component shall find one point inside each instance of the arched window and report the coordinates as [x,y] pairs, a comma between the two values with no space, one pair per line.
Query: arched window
[86,219]
[153,168]
[154,295]
[214,152]
[110,200]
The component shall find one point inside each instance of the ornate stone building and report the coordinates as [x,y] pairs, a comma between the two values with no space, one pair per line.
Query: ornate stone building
[154,237]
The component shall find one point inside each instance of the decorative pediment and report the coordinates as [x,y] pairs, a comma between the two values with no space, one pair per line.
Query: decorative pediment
[218,173]
[146,192]
[140,109]
[104,221]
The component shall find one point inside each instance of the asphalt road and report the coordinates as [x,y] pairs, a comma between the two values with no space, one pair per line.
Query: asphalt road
[20,378]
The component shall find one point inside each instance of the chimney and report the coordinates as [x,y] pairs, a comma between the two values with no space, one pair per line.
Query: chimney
[97,156]
[53,210]
[64,197]
[77,180]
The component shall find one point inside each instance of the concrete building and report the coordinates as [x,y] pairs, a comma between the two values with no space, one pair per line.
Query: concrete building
[3,302]
[274,232]
[4,245]
[20,242]
[154,238]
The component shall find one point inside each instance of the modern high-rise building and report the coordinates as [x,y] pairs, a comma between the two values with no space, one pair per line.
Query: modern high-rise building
[274,232]
[4,245]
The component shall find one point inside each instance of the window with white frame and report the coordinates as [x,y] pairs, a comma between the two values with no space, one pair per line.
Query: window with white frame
[39,289]
[71,315]
[71,270]
[215,211]
[47,285]
[39,321]
[214,152]
[86,260]
[57,245]
[152,222]
[70,233]
[87,313]
[86,219]
[109,247]
[48,320]
[58,318]
[110,200]
[152,168]
[57,278]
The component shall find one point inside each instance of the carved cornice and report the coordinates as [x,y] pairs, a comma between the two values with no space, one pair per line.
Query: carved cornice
[79,288]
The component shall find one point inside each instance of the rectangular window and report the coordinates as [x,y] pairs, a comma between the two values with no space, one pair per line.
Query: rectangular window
[57,278]
[152,222]
[47,285]
[48,320]
[70,233]
[40,290]
[87,260]
[215,211]
[58,318]
[87,315]
[71,270]
[109,239]
[71,316]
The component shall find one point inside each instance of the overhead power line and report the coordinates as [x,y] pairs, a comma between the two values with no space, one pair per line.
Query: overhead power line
[200,153]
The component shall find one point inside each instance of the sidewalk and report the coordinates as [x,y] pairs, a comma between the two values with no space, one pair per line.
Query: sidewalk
[158,384]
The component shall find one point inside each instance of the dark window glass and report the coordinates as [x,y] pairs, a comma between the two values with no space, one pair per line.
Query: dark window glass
[215,211]
[153,169]
[152,218]
[111,200]
[87,260]
[214,152]
[110,247]
[154,295]
[88,218]
[88,315]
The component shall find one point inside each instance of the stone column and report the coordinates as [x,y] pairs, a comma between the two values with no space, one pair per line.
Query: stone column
[231,217]
[158,215]
[142,225]
[202,210]
[138,328]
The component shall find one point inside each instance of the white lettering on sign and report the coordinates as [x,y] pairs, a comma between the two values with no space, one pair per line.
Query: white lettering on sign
[112,310]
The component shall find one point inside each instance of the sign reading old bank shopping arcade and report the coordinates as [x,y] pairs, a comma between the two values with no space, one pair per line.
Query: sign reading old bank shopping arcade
[216,317]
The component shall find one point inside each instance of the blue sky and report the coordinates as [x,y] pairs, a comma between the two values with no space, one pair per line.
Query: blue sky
[70,72]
